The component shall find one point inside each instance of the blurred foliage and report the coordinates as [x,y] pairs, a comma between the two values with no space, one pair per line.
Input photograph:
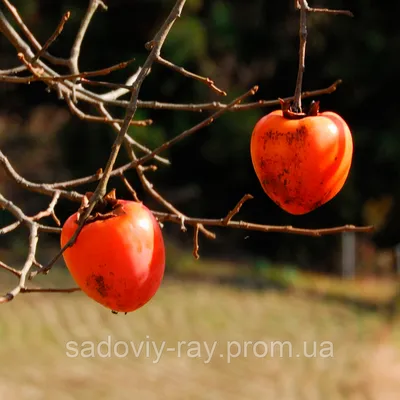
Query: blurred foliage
[238,44]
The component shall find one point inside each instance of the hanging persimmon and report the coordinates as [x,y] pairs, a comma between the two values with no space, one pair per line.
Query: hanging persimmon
[301,160]
[118,259]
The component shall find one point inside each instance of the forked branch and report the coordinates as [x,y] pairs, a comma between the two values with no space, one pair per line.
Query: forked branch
[304,8]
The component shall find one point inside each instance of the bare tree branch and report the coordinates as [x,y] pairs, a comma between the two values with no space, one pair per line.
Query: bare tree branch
[164,217]
[92,118]
[101,188]
[50,290]
[73,87]
[10,269]
[214,106]
[196,241]
[188,74]
[304,8]
[76,47]
[322,10]
[148,186]
[33,241]
[36,187]
[53,37]
[50,210]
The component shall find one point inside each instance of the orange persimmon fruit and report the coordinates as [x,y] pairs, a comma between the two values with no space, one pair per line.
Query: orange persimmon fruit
[118,259]
[301,161]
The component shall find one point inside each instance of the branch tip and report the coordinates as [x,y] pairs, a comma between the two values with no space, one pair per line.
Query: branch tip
[237,208]
[196,241]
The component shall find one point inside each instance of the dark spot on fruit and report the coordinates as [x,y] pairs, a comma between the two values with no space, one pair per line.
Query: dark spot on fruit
[99,284]
[101,287]
[265,142]
[297,137]
[114,312]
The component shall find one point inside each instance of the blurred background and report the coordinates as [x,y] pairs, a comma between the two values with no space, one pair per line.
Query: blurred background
[247,285]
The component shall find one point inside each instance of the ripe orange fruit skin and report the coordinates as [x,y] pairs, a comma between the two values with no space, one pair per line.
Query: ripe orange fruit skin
[118,262]
[301,163]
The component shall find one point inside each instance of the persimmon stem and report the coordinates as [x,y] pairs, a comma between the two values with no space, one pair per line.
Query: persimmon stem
[296,106]
[304,8]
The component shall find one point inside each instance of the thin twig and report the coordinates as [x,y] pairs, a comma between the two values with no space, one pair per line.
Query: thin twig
[13,71]
[183,135]
[130,140]
[121,91]
[329,11]
[214,106]
[10,228]
[106,84]
[50,210]
[33,241]
[92,118]
[237,208]
[53,37]
[76,47]
[40,76]
[37,264]
[81,75]
[22,25]
[184,72]
[296,106]
[16,79]
[165,217]
[196,241]
[28,34]
[304,8]
[131,190]
[10,269]
[50,290]
[22,218]
[323,10]
[148,186]
[36,187]
[111,101]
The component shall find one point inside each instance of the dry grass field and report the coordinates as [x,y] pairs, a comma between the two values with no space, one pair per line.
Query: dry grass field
[36,328]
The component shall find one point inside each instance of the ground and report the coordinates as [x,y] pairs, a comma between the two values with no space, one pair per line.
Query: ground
[361,358]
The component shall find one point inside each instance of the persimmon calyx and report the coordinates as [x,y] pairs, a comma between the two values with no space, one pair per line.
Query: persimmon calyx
[107,207]
[290,114]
